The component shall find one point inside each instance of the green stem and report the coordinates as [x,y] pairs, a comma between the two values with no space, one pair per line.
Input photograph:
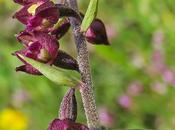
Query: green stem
[86,89]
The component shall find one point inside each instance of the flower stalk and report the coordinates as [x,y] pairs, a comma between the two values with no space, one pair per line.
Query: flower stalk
[86,88]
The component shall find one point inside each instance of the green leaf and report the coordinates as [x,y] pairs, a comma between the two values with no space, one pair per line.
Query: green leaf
[90,15]
[55,74]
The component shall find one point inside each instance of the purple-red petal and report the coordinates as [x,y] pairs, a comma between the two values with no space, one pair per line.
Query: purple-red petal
[25,37]
[23,15]
[28,69]
[49,43]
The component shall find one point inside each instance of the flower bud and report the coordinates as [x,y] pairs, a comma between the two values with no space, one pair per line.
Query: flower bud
[66,124]
[65,61]
[68,108]
[96,34]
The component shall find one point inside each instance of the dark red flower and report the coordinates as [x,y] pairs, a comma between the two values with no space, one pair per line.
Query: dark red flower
[38,15]
[38,46]
[96,34]
[66,124]
[46,15]
[28,9]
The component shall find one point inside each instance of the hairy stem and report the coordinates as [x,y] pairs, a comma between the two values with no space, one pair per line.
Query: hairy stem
[86,88]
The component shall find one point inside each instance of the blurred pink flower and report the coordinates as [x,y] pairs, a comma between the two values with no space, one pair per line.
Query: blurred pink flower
[158,61]
[106,118]
[157,64]
[111,31]
[159,87]
[173,83]
[134,89]
[168,75]
[138,60]
[158,39]
[157,57]
[19,97]
[125,101]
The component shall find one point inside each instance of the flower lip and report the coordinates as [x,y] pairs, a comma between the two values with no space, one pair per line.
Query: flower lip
[48,43]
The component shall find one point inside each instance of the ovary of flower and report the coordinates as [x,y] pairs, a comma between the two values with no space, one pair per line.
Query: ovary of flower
[11,119]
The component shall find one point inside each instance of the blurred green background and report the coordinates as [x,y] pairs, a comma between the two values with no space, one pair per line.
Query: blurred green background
[134,78]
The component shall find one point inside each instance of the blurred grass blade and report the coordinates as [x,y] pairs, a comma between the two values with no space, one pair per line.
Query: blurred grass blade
[90,15]
[57,75]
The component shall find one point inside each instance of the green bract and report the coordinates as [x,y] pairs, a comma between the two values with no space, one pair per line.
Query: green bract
[57,75]
[90,15]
